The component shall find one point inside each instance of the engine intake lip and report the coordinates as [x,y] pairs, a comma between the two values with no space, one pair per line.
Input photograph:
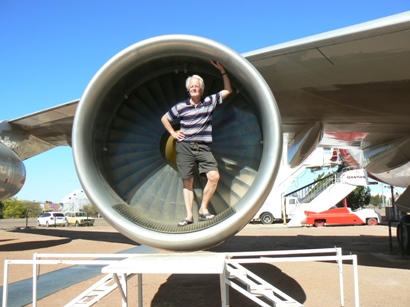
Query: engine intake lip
[89,133]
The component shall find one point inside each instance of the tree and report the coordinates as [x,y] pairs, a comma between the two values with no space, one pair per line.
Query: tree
[33,209]
[90,209]
[359,198]
[13,208]
[378,199]
[1,209]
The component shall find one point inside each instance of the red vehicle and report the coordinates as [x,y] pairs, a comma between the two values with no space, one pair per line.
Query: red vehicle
[343,216]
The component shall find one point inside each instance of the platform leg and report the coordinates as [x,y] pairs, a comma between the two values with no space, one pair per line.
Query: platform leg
[341,281]
[122,287]
[356,282]
[140,301]
[124,283]
[5,282]
[224,289]
[35,274]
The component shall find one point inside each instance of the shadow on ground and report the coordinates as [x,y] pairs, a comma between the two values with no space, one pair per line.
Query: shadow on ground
[65,236]
[370,250]
[204,290]
[33,245]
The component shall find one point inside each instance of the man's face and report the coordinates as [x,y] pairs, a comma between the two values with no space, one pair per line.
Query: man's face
[195,88]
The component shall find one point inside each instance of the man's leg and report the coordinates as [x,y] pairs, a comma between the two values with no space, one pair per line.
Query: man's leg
[209,190]
[188,192]
[185,165]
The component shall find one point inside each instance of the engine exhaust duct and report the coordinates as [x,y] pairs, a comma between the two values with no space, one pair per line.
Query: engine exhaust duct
[120,146]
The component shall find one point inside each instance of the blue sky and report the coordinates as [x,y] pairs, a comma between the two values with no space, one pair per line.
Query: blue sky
[50,50]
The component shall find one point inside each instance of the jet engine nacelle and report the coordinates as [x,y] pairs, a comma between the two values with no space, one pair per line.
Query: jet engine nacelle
[125,158]
[12,173]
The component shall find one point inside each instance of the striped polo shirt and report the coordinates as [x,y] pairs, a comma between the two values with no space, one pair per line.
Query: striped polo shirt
[196,121]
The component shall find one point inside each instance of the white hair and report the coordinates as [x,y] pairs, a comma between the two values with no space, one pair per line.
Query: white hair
[201,82]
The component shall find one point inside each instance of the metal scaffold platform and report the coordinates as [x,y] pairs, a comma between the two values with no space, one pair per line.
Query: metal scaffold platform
[119,268]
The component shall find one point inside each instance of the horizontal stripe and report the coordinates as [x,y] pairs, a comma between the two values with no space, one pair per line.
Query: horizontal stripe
[196,121]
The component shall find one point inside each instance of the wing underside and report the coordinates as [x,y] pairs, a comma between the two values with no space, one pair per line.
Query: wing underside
[356,81]
[38,132]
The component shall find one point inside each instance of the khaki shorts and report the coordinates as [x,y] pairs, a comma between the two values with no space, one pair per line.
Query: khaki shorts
[190,154]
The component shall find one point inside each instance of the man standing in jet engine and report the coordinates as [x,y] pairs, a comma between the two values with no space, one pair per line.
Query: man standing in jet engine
[195,115]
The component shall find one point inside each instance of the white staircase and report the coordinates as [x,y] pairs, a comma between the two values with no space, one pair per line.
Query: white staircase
[227,265]
[324,201]
[97,291]
[336,191]
[257,289]
[329,197]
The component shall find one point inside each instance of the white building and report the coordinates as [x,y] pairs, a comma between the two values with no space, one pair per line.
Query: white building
[75,201]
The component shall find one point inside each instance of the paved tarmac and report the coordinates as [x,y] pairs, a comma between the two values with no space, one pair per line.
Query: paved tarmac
[19,293]
[383,274]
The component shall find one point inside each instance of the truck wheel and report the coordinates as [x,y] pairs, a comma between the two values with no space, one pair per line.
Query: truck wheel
[266,218]
[372,221]
[319,223]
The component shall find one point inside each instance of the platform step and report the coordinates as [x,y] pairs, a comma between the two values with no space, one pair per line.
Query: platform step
[257,289]
[96,292]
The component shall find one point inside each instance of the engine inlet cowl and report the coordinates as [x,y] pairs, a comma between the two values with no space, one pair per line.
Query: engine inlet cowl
[124,158]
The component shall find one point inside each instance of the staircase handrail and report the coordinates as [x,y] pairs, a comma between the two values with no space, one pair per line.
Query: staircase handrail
[310,191]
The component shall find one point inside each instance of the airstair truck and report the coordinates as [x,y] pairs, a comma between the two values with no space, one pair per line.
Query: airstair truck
[277,207]
[329,193]
[333,190]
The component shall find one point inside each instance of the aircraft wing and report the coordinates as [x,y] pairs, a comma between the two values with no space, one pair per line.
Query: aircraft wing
[33,134]
[354,81]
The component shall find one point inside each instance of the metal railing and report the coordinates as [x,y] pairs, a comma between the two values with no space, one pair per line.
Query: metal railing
[229,271]
[310,191]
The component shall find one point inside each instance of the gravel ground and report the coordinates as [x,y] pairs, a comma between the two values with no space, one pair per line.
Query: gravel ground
[383,274]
